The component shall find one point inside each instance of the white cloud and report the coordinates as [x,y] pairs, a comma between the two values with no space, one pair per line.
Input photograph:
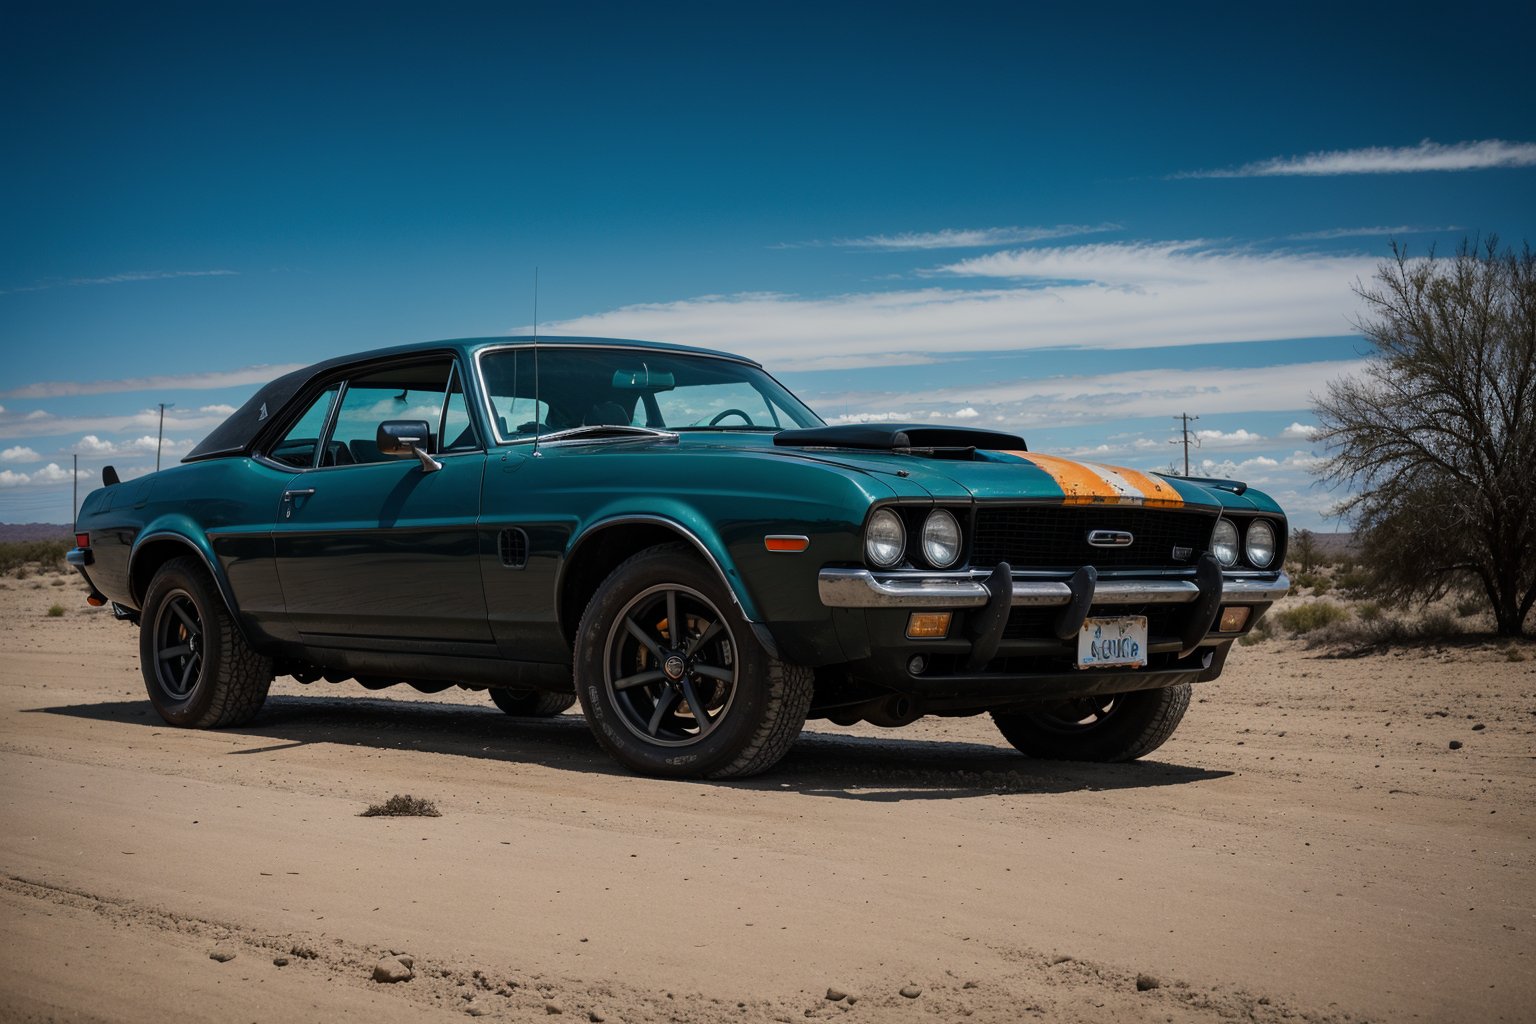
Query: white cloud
[965,414]
[1426,156]
[244,376]
[1228,438]
[52,473]
[1134,295]
[968,238]
[1402,229]
[1300,431]
[20,453]
[92,446]
[137,275]
[1098,398]
[217,410]
[44,424]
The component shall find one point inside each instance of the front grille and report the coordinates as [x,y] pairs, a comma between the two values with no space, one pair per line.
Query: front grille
[1056,537]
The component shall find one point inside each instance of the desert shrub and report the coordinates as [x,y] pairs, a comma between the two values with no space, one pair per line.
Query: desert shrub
[55,611]
[1258,634]
[406,806]
[1513,653]
[19,557]
[1353,581]
[1307,617]
[1467,604]
[1436,623]
[1367,611]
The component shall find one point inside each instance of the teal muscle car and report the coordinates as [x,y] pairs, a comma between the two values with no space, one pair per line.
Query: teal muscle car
[669,536]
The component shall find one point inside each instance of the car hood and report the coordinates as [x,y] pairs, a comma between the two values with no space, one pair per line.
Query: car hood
[988,465]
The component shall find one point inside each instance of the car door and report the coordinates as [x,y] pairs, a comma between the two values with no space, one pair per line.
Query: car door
[381,552]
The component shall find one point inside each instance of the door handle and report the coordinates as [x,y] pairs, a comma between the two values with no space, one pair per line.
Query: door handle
[288,496]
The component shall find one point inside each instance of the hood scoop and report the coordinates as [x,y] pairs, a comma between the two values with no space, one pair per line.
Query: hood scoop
[919,438]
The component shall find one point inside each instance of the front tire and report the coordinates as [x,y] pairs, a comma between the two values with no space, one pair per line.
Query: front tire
[1110,727]
[672,680]
[531,703]
[198,670]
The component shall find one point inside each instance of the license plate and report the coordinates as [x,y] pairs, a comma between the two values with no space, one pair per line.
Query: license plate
[1118,642]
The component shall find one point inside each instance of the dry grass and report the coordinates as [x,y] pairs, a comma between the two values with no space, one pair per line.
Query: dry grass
[406,806]
[56,611]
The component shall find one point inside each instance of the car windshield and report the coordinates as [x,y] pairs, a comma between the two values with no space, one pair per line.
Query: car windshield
[575,387]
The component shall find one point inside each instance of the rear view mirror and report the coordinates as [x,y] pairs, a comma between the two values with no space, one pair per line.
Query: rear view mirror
[407,437]
[643,379]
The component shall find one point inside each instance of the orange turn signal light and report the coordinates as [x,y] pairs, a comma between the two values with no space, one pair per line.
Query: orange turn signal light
[95,600]
[784,542]
[928,625]
[1233,619]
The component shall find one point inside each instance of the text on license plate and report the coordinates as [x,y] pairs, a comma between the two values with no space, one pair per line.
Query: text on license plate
[1119,641]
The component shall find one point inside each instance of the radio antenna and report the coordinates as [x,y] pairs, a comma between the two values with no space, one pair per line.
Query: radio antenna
[536,424]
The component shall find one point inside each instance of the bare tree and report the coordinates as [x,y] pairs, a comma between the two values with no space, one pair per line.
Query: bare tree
[1437,434]
[1304,549]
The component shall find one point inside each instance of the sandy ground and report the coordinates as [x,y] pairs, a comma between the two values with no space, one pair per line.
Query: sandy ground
[1307,847]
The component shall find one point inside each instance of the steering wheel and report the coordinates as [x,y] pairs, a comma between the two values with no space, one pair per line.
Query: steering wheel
[731,412]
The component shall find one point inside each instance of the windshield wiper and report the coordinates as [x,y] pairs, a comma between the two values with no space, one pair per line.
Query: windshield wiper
[607,432]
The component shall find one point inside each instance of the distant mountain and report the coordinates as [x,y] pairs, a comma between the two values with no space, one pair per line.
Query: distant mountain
[13,532]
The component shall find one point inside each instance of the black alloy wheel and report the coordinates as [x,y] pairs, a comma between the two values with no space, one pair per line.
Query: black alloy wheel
[670,668]
[199,671]
[672,679]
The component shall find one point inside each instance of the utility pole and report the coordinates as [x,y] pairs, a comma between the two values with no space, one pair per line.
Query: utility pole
[161,439]
[74,501]
[1185,419]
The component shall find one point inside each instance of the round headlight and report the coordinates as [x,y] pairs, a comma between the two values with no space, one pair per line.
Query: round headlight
[941,539]
[885,539]
[1260,546]
[1224,542]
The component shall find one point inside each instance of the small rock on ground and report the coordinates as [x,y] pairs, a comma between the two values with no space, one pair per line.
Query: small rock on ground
[390,969]
[553,1007]
[1455,744]
[223,956]
[835,994]
[595,1017]
[279,961]
[1146,983]
[911,991]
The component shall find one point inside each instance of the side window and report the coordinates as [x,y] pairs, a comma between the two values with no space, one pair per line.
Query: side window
[297,447]
[412,392]
[457,432]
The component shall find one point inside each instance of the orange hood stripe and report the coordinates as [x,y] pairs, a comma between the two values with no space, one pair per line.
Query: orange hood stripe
[1086,483]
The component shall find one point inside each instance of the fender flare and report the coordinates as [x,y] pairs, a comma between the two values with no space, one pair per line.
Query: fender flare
[203,554]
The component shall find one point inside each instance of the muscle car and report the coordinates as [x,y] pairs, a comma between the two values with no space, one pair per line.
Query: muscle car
[668,536]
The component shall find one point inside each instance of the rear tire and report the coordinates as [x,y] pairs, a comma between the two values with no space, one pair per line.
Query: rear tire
[672,679]
[531,703]
[1111,727]
[198,670]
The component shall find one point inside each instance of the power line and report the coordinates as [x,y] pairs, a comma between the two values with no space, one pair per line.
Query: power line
[1185,419]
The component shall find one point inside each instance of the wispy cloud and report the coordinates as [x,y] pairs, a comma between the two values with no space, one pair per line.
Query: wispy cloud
[1082,400]
[1104,296]
[20,453]
[40,423]
[961,238]
[1382,232]
[245,376]
[1426,156]
[135,275]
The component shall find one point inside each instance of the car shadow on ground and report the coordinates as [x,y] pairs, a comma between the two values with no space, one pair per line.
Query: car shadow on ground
[821,764]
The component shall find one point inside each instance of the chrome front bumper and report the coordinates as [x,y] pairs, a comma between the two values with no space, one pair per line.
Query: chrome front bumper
[860,588]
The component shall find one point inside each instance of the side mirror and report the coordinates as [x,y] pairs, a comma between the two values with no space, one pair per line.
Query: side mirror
[407,437]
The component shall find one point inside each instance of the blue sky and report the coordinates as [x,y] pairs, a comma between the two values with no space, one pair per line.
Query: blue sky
[1076,225]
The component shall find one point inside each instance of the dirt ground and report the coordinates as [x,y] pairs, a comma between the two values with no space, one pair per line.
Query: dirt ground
[1307,847]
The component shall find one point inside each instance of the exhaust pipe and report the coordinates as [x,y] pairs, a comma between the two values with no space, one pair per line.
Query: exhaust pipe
[893,712]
